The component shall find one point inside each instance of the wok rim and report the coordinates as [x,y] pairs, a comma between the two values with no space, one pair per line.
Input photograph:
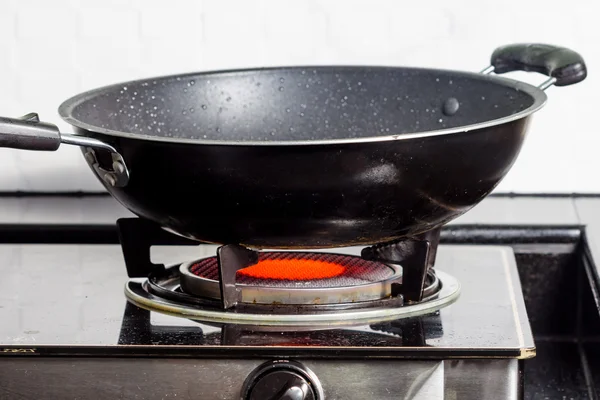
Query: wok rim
[65,109]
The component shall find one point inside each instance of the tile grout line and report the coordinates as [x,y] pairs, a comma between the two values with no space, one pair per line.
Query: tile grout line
[576,209]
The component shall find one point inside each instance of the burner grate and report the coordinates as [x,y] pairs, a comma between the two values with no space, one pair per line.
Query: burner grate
[415,254]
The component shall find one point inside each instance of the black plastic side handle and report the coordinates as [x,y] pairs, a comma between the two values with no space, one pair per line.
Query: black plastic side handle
[565,65]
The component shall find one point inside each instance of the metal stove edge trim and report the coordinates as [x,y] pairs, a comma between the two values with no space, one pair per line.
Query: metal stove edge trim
[208,351]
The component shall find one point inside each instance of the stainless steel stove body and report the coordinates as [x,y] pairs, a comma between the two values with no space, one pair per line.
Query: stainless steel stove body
[68,331]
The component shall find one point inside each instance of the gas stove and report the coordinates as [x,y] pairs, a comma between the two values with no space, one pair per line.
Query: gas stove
[128,310]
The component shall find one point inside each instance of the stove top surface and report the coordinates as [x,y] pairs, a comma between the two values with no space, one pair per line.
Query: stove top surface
[69,299]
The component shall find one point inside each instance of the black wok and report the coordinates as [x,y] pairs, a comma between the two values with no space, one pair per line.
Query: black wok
[308,157]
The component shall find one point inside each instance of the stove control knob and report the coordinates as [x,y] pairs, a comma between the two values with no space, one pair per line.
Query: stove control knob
[281,385]
[282,380]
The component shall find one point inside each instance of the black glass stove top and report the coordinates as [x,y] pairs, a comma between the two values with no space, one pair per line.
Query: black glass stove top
[69,299]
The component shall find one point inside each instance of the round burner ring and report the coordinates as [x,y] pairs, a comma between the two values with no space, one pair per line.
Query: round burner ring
[354,279]
[138,293]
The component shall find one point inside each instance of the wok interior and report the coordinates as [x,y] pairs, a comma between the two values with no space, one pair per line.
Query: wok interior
[291,104]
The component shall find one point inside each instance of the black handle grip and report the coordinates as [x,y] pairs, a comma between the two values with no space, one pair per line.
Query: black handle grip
[561,63]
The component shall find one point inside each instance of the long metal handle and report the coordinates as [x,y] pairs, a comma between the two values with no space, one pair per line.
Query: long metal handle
[562,66]
[28,133]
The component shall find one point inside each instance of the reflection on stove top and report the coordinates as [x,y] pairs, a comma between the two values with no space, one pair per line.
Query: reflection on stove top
[138,328]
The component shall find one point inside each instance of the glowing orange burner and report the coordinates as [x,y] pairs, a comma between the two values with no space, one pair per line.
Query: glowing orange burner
[293,269]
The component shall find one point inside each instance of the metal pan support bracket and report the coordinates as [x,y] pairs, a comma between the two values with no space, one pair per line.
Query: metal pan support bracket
[231,258]
[415,255]
[29,133]
[137,236]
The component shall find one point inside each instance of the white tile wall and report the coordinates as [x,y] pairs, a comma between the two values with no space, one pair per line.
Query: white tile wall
[50,50]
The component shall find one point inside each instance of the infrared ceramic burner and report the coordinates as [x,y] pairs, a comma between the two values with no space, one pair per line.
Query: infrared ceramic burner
[297,278]
[291,289]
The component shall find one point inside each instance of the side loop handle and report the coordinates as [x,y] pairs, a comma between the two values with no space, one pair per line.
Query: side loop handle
[563,66]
